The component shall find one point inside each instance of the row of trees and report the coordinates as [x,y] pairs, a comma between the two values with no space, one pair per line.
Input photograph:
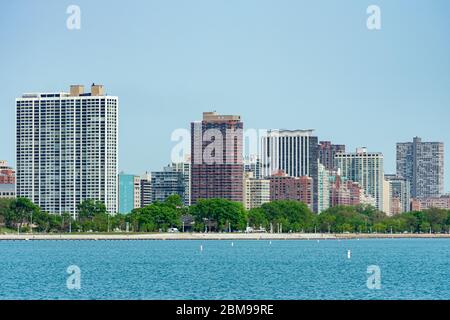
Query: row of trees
[24,216]
[368,219]
[220,215]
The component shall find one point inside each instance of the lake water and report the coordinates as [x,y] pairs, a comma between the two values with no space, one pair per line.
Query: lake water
[410,269]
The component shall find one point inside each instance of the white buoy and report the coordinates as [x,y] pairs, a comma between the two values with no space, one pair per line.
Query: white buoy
[201,247]
[232,244]
[270,242]
[349,254]
[318,241]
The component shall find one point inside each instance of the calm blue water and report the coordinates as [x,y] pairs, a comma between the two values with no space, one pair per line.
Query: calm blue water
[410,269]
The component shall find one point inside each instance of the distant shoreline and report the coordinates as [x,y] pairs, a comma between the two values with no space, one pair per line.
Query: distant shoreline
[218,236]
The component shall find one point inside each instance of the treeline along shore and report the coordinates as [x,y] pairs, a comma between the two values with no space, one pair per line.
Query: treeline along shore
[214,236]
[217,219]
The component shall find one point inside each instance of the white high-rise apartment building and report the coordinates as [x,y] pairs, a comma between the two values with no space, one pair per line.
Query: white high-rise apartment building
[367,169]
[67,148]
[323,188]
[295,152]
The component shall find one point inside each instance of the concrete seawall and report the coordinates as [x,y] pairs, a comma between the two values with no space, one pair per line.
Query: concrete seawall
[213,236]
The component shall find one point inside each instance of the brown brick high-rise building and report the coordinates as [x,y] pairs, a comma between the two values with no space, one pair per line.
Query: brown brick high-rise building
[284,187]
[217,168]
[344,192]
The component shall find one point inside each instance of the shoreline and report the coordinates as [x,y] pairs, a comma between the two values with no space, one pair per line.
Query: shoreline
[220,236]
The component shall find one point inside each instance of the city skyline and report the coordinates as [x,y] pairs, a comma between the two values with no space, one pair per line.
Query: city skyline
[229,158]
[308,133]
[340,79]
[67,153]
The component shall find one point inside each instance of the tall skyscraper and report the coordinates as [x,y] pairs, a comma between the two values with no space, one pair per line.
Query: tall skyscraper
[327,150]
[129,192]
[365,168]
[422,164]
[67,148]
[217,169]
[293,151]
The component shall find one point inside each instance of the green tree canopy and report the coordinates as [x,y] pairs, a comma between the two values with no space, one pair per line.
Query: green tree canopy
[90,208]
[157,216]
[293,215]
[347,218]
[220,212]
[22,210]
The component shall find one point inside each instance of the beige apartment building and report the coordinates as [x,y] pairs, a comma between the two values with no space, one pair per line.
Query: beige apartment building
[256,191]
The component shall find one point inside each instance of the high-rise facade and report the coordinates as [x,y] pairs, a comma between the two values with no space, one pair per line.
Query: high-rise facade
[327,150]
[422,164]
[146,190]
[217,169]
[166,183]
[185,169]
[67,148]
[365,168]
[129,192]
[400,191]
[441,202]
[387,197]
[323,188]
[253,164]
[256,191]
[293,151]
[344,192]
[284,187]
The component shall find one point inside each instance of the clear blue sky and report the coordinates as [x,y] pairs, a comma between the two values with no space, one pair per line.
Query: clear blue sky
[280,64]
